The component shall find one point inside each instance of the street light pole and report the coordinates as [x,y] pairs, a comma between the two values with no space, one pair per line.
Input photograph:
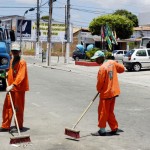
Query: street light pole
[38,29]
[20,26]
[68,33]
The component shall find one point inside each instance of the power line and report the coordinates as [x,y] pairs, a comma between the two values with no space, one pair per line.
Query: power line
[44,4]
[92,7]
[89,11]
[14,7]
[130,4]
[26,7]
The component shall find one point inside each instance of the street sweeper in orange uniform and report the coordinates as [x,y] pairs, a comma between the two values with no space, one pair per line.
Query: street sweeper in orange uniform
[17,86]
[108,87]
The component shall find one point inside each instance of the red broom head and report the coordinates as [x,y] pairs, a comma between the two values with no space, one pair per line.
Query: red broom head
[73,133]
[20,140]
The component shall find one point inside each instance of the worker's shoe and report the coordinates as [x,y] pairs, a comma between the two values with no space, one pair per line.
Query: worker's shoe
[3,129]
[15,130]
[113,132]
[99,133]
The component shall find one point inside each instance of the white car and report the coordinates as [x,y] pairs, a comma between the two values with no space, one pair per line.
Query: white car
[118,54]
[136,59]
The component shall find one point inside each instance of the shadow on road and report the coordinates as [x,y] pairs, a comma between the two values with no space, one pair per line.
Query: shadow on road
[13,129]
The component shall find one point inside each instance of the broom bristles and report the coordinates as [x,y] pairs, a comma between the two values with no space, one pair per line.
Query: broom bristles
[72,133]
[20,139]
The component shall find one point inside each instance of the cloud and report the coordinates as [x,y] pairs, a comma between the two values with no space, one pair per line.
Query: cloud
[27,1]
[130,5]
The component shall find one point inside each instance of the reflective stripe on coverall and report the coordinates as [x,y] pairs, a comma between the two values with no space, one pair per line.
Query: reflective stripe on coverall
[19,77]
[108,87]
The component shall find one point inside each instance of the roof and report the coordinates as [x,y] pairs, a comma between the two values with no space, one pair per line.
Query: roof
[12,16]
[129,40]
[142,28]
[77,29]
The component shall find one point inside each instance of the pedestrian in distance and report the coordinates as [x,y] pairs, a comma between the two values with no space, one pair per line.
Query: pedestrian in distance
[108,87]
[17,78]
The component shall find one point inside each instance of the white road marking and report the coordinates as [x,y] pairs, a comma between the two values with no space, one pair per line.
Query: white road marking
[54,114]
[135,109]
[35,104]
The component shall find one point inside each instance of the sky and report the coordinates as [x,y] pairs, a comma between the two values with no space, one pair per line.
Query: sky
[82,11]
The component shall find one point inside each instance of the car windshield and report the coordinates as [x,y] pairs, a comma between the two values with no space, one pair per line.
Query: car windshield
[114,51]
[129,53]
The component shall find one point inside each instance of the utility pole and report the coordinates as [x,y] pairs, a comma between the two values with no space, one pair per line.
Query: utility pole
[68,33]
[38,28]
[49,41]
[65,32]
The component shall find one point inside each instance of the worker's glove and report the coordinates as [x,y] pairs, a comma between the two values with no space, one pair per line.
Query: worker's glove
[9,88]
[6,74]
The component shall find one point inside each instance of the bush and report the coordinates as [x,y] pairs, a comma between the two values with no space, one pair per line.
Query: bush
[108,55]
[89,54]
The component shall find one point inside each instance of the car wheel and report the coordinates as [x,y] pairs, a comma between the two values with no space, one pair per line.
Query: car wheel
[4,84]
[136,67]
[77,59]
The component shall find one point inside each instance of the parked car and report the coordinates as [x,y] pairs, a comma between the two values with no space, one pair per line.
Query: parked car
[136,59]
[118,54]
[77,54]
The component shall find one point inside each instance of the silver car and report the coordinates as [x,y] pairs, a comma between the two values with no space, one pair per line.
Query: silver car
[118,54]
[136,59]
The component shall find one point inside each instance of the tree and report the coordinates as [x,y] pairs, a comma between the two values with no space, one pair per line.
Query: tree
[45,18]
[128,14]
[122,25]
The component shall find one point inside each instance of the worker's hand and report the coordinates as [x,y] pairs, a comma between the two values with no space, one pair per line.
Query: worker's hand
[6,74]
[9,88]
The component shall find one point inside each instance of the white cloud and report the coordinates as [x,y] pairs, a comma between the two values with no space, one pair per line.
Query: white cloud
[130,5]
[27,1]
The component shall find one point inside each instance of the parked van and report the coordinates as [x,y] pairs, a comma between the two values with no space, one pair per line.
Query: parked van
[136,59]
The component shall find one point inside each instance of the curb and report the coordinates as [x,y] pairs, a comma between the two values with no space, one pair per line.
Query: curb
[84,63]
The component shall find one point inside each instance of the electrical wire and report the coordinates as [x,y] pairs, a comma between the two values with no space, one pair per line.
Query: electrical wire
[89,11]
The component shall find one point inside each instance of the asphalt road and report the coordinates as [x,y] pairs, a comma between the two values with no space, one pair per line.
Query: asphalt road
[57,98]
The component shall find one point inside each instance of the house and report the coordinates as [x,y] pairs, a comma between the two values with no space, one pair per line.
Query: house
[80,36]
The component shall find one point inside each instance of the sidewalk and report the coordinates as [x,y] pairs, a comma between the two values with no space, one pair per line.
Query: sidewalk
[58,63]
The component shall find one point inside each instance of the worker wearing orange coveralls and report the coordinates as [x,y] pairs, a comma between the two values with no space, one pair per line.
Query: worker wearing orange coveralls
[18,84]
[108,87]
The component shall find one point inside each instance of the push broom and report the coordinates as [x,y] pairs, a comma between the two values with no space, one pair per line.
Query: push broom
[76,133]
[20,138]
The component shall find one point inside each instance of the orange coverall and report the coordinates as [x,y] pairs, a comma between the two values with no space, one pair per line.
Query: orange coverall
[108,87]
[19,77]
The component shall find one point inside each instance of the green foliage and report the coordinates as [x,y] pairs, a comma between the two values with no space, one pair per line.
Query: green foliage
[108,55]
[133,45]
[45,17]
[122,25]
[91,52]
[127,14]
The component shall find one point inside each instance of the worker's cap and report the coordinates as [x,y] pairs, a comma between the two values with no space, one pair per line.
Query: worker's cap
[15,46]
[98,54]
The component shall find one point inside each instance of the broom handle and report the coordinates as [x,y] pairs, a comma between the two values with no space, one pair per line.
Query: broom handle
[85,110]
[13,109]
